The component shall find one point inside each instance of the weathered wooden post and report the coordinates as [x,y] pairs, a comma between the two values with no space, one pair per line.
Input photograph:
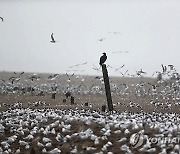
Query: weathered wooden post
[72,100]
[107,87]
[53,95]
[54,88]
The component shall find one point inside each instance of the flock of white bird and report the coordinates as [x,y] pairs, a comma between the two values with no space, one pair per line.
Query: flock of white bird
[83,131]
[162,93]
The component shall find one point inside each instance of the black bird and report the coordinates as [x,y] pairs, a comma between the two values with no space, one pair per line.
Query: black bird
[2,19]
[67,94]
[103,59]
[52,38]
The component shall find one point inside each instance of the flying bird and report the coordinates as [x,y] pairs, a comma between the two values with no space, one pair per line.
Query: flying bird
[53,77]
[2,19]
[164,68]
[13,79]
[95,68]
[115,32]
[117,69]
[52,38]
[123,74]
[78,65]
[103,59]
[19,74]
[69,76]
[171,67]
[102,39]
[140,72]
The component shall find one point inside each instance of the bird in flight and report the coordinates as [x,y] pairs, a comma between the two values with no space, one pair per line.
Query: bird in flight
[103,59]
[164,68]
[115,32]
[102,39]
[78,65]
[171,67]
[52,38]
[2,19]
[53,77]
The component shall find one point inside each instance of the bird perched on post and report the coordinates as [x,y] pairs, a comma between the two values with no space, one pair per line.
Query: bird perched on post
[103,59]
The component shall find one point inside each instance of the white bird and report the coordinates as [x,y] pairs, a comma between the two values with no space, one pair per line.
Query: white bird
[29,137]
[44,150]
[59,138]
[17,151]
[12,139]
[152,150]
[55,151]
[74,150]
[46,140]
[48,145]
[177,148]
[2,128]
[5,144]
[1,150]
[40,144]
[23,143]
[122,139]
[53,131]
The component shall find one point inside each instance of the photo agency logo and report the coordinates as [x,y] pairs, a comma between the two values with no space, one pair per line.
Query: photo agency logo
[137,140]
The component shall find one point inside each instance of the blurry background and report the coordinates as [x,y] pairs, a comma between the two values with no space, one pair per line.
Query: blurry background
[135,33]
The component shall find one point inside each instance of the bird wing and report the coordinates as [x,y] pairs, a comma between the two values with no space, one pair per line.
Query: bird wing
[50,77]
[2,19]
[12,78]
[68,76]
[21,74]
[55,75]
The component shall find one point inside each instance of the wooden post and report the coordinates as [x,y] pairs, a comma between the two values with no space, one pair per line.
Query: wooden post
[53,95]
[107,87]
[72,100]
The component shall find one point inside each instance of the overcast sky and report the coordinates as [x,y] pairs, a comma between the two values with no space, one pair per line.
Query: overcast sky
[148,30]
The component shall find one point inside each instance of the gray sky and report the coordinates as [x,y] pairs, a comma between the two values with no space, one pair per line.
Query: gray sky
[148,30]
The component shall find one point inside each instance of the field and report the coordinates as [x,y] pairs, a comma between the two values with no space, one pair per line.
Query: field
[145,117]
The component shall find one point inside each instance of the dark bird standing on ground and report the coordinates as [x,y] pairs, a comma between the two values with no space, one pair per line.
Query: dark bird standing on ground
[2,19]
[52,38]
[103,59]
